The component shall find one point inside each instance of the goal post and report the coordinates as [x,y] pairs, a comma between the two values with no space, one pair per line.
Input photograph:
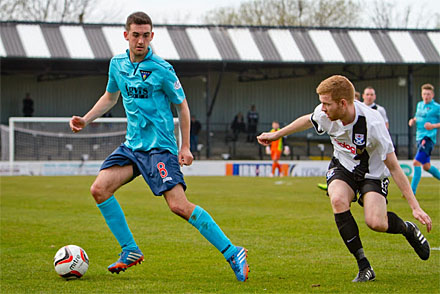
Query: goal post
[50,138]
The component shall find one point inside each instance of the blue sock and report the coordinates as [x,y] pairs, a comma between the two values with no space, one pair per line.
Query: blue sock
[434,171]
[115,219]
[203,222]
[416,178]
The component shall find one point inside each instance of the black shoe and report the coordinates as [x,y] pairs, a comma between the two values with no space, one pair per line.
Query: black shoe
[365,275]
[417,241]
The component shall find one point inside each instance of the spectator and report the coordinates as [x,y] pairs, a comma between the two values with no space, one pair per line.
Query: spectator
[369,96]
[276,148]
[195,128]
[238,126]
[28,105]
[107,114]
[252,123]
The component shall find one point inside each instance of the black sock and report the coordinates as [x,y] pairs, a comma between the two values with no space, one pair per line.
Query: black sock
[395,224]
[362,261]
[349,231]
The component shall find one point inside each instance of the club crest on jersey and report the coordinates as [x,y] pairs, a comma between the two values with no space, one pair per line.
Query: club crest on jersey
[177,85]
[330,173]
[359,139]
[145,74]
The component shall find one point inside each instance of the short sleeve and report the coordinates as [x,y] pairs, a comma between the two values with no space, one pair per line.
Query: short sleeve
[317,119]
[383,112]
[112,85]
[381,138]
[172,87]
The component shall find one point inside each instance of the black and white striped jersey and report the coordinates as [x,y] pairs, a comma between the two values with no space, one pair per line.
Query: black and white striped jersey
[376,139]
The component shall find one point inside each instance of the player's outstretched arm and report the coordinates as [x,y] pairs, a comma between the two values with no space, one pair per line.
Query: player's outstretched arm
[185,156]
[404,186]
[300,124]
[430,126]
[104,104]
[77,123]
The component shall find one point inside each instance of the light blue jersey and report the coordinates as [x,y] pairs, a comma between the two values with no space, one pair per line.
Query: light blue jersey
[427,113]
[147,89]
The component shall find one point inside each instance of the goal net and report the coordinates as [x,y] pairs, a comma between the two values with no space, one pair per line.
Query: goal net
[50,138]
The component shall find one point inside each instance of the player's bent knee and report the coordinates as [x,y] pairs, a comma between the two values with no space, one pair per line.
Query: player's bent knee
[377,224]
[426,166]
[183,209]
[99,193]
[95,190]
[339,203]
[177,209]
[416,163]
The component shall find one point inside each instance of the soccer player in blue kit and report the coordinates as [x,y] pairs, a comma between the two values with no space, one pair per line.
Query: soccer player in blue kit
[148,85]
[427,120]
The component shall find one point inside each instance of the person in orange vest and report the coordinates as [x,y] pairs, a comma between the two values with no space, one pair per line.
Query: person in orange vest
[276,148]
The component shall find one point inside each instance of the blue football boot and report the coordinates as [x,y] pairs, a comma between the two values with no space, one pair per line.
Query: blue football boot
[126,259]
[239,265]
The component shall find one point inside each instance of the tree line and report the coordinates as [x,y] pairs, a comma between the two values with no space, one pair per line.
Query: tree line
[319,13]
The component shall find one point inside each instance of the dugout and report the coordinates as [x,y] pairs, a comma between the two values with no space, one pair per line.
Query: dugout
[224,69]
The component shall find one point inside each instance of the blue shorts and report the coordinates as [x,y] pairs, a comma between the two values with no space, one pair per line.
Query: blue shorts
[159,168]
[424,149]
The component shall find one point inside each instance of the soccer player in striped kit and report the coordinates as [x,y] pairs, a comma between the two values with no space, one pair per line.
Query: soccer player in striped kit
[363,158]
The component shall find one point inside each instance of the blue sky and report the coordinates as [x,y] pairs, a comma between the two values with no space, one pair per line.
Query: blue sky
[192,11]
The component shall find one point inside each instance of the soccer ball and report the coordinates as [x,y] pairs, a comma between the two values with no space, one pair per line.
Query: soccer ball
[71,261]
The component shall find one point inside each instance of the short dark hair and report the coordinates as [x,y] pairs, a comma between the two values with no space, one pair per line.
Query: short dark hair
[139,18]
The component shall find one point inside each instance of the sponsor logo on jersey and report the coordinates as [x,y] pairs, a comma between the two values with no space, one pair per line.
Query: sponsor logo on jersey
[344,145]
[145,74]
[134,92]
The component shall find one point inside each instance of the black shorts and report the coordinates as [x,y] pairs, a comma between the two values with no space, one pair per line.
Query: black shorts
[337,172]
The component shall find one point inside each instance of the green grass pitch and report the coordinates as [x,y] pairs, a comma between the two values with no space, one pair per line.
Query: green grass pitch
[286,223]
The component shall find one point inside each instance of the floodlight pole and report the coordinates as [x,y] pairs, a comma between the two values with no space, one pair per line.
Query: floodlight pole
[210,106]
[208,137]
[410,109]
[11,146]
